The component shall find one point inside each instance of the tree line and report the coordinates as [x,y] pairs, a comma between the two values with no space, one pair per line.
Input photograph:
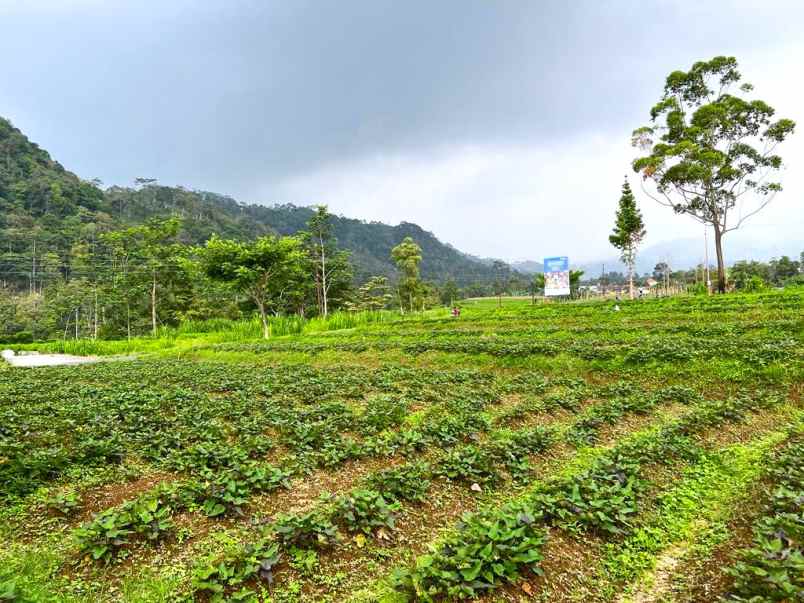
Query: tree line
[136,280]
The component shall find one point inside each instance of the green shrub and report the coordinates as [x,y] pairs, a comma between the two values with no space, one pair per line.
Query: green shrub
[772,568]
[313,529]
[256,561]
[409,482]
[365,511]
[487,550]
[469,464]
[65,503]
[604,498]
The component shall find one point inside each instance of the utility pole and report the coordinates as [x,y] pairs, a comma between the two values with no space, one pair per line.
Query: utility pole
[602,282]
[33,268]
[706,261]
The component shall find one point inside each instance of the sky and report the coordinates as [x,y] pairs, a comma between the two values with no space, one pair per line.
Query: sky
[502,127]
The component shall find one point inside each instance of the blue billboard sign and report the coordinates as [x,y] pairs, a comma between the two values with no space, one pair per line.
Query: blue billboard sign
[556,276]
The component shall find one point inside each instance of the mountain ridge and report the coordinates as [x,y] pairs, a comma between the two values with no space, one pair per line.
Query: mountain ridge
[44,204]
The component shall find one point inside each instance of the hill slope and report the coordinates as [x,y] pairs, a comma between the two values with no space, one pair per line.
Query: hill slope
[45,209]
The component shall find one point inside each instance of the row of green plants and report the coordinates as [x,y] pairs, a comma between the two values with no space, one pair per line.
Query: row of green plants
[772,567]
[149,517]
[230,414]
[755,350]
[495,546]
[503,455]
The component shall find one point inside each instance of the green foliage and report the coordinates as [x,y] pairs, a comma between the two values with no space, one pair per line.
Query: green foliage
[254,562]
[267,270]
[487,550]
[107,535]
[772,569]
[382,412]
[629,230]
[225,492]
[469,464]
[714,148]
[408,482]
[65,503]
[407,256]
[331,270]
[604,499]
[365,511]
[313,529]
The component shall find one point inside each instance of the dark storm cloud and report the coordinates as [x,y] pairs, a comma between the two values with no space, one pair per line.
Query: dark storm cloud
[212,92]
[450,113]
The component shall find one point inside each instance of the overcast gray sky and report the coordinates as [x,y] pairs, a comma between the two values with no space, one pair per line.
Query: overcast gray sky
[501,126]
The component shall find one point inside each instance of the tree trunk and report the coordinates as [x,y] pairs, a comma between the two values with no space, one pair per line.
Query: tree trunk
[153,305]
[95,331]
[324,277]
[721,268]
[266,331]
[631,280]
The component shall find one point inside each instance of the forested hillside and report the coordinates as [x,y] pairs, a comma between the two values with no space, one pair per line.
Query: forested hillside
[46,211]
[78,260]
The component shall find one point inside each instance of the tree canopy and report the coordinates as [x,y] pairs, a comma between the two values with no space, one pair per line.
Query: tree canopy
[268,270]
[711,151]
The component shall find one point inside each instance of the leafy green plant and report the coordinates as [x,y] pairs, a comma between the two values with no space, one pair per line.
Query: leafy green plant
[513,449]
[365,511]
[104,536]
[469,464]
[772,568]
[303,560]
[604,498]
[65,503]
[107,535]
[407,482]
[256,561]
[487,550]
[313,529]
[9,591]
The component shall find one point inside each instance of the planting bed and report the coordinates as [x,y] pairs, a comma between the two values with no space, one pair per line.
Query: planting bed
[555,452]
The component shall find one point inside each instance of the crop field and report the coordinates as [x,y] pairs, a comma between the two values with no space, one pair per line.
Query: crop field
[547,452]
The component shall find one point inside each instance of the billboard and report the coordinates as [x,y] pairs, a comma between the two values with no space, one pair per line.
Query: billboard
[556,276]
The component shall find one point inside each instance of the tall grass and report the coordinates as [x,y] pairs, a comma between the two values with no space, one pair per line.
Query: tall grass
[216,330]
[348,320]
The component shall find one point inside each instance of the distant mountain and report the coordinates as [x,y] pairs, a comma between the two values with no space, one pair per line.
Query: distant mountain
[205,213]
[44,209]
[528,266]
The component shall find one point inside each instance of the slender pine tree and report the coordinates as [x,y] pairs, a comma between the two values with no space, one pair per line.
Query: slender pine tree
[629,230]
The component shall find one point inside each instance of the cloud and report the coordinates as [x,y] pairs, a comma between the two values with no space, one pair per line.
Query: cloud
[491,200]
[502,127]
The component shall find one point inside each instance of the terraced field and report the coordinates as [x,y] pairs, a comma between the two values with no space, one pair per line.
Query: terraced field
[556,452]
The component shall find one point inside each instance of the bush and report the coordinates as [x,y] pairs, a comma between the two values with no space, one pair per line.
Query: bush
[408,482]
[772,569]
[309,530]
[603,498]
[488,549]
[365,511]
[255,561]
[469,464]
